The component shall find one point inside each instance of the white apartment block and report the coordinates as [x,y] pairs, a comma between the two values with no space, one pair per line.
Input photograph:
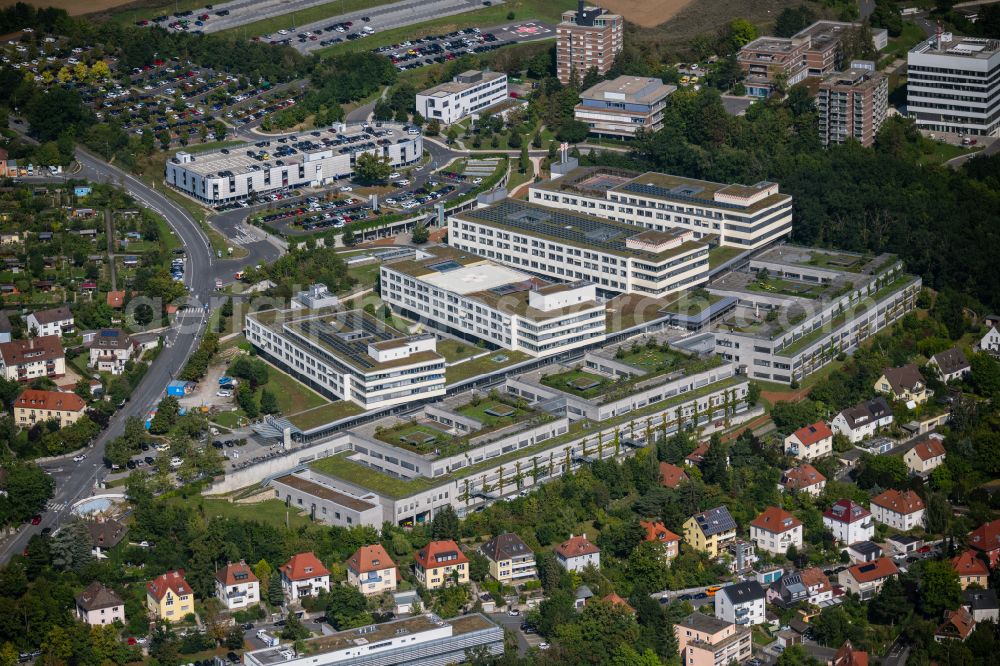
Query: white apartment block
[775,530]
[952,85]
[479,299]
[278,163]
[349,355]
[622,106]
[743,603]
[57,321]
[743,216]
[569,246]
[849,522]
[900,510]
[464,95]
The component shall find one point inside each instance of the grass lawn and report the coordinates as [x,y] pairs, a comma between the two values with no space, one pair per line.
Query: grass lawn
[912,35]
[271,512]
[296,20]
[484,365]
[453,350]
[651,360]
[313,418]
[721,254]
[417,437]
[229,420]
[939,152]
[500,411]
[293,396]
[527,10]
[365,275]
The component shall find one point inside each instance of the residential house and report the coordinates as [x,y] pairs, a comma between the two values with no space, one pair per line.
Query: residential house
[900,510]
[703,640]
[34,406]
[951,364]
[576,553]
[236,586]
[671,475]
[810,585]
[775,530]
[98,604]
[56,321]
[904,383]
[866,579]
[659,533]
[864,551]
[169,597]
[696,457]
[6,329]
[742,555]
[986,540]
[304,576]
[971,569]
[743,603]
[991,341]
[925,455]
[849,522]
[768,574]
[24,360]
[616,600]
[848,656]
[105,534]
[810,442]
[116,299]
[110,350]
[802,479]
[511,561]
[958,625]
[371,570]
[440,562]
[710,530]
[863,420]
[982,604]
[818,585]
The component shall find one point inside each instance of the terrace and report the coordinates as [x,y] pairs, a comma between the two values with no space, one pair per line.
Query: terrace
[654,363]
[497,415]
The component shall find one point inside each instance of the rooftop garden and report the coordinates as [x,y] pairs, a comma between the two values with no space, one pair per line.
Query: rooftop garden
[652,357]
[495,412]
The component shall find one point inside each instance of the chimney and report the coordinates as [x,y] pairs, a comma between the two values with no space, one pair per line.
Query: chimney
[579,11]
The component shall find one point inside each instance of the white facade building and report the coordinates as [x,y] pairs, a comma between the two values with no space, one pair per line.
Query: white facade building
[482,300]
[863,421]
[952,85]
[899,510]
[240,172]
[349,355]
[57,321]
[616,257]
[236,586]
[991,341]
[775,530]
[304,576]
[577,553]
[743,603]
[467,93]
[849,522]
[741,216]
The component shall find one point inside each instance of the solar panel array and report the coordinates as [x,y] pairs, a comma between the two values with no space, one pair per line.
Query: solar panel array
[575,229]
[355,348]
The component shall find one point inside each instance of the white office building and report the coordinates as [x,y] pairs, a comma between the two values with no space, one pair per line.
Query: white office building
[744,216]
[349,355]
[615,256]
[317,158]
[479,299]
[952,85]
[464,95]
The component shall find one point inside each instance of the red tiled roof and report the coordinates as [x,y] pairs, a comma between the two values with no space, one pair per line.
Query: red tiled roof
[658,532]
[671,475]
[616,600]
[928,448]
[776,520]
[846,511]
[440,554]
[867,572]
[813,434]
[848,656]
[957,624]
[236,574]
[370,558]
[698,455]
[814,577]
[42,348]
[576,546]
[800,477]
[56,401]
[969,564]
[170,581]
[303,566]
[905,502]
[986,537]
[116,298]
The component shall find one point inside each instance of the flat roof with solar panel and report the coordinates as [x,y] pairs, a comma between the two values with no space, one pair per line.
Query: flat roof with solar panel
[576,229]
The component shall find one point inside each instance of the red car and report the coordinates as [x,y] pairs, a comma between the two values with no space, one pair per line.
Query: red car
[37,520]
[924,549]
[132,641]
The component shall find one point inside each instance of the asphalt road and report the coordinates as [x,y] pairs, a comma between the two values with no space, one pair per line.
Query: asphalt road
[76,481]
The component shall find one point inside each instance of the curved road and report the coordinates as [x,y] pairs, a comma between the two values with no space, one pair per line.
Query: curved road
[76,481]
